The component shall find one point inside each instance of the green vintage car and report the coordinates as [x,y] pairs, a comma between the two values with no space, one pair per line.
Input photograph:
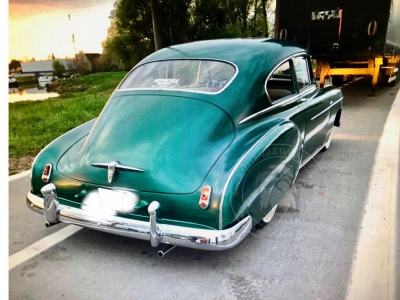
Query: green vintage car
[195,147]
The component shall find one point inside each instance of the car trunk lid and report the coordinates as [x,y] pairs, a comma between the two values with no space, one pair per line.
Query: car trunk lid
[174,140]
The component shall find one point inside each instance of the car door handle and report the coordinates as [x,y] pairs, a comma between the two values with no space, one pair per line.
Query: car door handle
[302,100]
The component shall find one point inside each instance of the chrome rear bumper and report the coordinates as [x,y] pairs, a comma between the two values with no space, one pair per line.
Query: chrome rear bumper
[152,231]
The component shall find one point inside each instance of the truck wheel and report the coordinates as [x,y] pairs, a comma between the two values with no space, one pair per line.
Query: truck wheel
[393,83]
[337,80]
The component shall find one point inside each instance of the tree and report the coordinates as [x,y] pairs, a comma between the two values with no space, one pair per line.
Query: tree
[154,17]
[210,20]
[129,36]
[140,27]
[14,64]
[110,60]
[70,69]
[58,67]
[106,63]
[174,21]
[82,64]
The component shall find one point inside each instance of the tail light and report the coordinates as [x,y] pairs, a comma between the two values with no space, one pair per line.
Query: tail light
[205,197]
[47,172]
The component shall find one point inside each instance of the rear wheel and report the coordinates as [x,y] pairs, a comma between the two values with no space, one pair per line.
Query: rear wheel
[267,218]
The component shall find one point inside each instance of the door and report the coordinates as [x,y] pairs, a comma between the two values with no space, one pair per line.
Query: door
[316,110]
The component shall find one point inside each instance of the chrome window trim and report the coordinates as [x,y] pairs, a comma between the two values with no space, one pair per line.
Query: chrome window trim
[181,90]
[308,72]
[280,103]
[329,107]
[276,67]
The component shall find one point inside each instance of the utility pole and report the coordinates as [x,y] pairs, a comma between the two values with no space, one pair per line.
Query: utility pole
[73,41]
[73,38]
[154,14]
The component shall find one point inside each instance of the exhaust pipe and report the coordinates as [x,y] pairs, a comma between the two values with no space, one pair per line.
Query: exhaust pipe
[165,250]
[51,224]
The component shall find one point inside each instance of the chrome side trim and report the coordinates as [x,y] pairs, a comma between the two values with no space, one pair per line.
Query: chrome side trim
[205,239]
[181,90]
[329,107]
[311,156]
[292,98]
[221,203]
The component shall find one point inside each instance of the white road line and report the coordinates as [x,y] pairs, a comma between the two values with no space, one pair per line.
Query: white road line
[41,245]
[19,175]
[373,265]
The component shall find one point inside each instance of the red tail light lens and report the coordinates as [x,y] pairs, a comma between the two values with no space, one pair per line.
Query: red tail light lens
[205,197]
[47,172]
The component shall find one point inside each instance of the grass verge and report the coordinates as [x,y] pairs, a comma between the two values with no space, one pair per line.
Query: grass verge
[34,124]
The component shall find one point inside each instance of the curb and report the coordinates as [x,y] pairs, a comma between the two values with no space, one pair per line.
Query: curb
[19,175]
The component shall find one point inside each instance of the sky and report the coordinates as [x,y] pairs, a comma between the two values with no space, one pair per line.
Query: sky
[39,28]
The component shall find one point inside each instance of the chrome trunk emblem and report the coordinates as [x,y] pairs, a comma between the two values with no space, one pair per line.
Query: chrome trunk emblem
[111,170]
[114,166]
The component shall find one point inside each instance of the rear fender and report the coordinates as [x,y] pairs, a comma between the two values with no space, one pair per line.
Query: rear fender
[264,175]
[335,97]
[52,153]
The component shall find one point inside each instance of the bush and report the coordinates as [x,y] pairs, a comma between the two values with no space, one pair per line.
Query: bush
[83,65]
[58,67]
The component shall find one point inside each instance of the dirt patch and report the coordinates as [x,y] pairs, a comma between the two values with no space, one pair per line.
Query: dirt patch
[62,87]
[19,164]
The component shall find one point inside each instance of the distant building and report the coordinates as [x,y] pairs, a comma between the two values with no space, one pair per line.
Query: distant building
[43,66]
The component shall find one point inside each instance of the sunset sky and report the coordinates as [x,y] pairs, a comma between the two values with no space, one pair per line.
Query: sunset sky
[38,28]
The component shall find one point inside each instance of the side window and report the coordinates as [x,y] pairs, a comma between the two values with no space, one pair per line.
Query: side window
[281,84]
[302,72]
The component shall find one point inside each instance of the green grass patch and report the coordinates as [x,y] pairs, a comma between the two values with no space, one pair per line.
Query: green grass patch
[26,79]
[34,124]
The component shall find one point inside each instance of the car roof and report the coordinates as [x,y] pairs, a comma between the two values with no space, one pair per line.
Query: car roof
[234,50]
[254,57]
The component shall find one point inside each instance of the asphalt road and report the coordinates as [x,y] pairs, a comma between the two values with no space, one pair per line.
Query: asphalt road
[306,252]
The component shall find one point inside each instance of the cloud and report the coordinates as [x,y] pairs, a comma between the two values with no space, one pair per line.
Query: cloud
[39,28]
[61,3]
[24,8]
[19,9]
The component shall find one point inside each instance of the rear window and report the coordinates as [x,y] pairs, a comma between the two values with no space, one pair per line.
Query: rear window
[203,76]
